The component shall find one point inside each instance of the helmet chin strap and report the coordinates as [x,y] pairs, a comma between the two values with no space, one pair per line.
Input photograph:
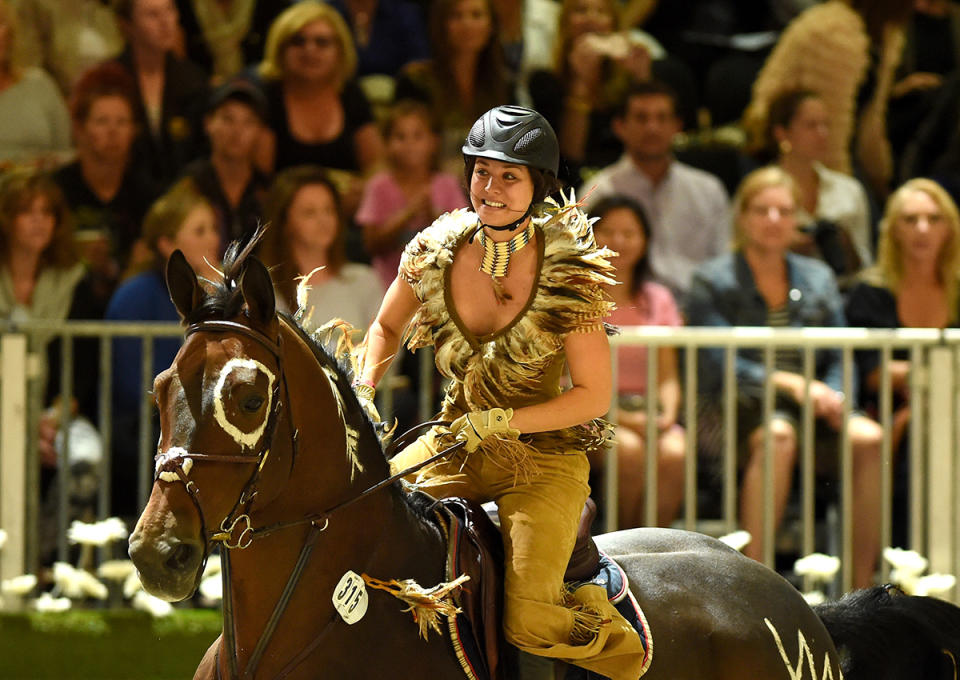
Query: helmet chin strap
[506,227]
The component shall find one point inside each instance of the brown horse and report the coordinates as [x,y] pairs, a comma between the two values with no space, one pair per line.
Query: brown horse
[265,450]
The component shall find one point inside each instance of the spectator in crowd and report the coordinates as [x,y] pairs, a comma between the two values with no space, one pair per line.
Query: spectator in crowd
[67,38]
[171,91]
[388,34]
[641,302]
[833,214]
[528,30]
[847,52]
[180,219]
[305,247]
[915,284]
[407,196]
[762,283]
[318,113]
[466,75]
[688,208]
[107,192]
[42,278]
[594,65]
[227,176]
[34,123]
[223,37]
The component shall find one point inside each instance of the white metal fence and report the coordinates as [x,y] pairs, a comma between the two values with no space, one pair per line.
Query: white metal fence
[934,529]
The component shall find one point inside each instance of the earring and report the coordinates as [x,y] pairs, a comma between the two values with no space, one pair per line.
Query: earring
[785,147]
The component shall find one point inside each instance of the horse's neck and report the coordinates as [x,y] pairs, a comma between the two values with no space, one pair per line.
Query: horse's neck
[381,537]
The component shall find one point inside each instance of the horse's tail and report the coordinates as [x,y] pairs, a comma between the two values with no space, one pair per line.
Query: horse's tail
[883,634]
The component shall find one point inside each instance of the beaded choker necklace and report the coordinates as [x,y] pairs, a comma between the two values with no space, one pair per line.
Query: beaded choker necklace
[496,254]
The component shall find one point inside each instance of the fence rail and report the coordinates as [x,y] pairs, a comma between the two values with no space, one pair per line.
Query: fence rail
[934,468]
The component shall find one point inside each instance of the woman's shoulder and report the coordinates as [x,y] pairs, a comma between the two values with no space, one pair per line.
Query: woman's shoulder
[659,297]
[433,246]
[132,299]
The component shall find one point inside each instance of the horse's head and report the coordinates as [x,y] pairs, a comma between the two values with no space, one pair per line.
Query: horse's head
[227,460]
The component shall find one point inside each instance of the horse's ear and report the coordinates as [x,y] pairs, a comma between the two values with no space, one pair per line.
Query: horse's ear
[182,283]
[257,287]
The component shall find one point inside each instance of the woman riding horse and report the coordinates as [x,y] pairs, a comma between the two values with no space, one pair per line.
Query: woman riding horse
[508,293]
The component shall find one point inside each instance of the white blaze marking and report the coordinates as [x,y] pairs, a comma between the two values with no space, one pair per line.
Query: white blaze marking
[352,436]
[173,453]
[244,439]
[803,653]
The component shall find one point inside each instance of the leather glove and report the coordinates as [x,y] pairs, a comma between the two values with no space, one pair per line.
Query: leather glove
[472,428]
[365,395]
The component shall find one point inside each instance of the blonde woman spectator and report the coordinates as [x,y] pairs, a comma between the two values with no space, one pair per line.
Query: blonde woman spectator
[34,122]
[915,284]
[847,52]
[317,112]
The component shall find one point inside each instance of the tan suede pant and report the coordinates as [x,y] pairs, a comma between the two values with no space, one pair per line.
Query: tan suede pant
[539,519]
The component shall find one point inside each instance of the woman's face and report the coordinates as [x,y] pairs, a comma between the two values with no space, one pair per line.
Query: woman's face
[500,192]
[199,239]
[589,16]
[33,227]
[411,143]
[312,220]
[620,231]
[107,132]
[469,26]
[768,221]
[313,53]
[921,230]
[808,131]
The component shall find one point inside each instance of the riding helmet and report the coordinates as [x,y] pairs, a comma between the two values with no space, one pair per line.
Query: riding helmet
[514,134]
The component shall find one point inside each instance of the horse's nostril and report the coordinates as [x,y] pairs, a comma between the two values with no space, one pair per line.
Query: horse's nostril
[180,557]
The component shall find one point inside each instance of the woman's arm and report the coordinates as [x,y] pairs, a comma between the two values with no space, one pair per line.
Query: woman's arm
[386,331]
[588,357]
[369,146]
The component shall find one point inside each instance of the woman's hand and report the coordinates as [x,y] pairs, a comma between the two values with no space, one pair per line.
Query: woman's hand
[585,62]
[827,403]
[638,62]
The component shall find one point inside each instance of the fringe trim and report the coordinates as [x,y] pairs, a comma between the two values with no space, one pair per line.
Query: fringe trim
[587,619]
[511,454]
[426,605]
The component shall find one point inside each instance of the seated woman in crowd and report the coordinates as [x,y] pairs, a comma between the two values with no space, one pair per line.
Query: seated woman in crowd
[42,278]
[180,219]
[915,284]
[466,75]
[317,112]
[762,283]
[34,123]
[306,241]
[833,214]
[107,193]
[640,301]
[594,65]
[411,193]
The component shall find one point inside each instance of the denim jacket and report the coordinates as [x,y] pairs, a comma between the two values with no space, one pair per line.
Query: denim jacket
[724,293]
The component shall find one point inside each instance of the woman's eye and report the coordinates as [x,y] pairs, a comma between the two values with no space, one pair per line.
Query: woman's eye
[252,404]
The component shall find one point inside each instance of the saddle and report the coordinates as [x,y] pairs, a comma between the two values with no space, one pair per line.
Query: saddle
[475,548]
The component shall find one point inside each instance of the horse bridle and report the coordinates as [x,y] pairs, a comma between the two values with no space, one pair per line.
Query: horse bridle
[248,533]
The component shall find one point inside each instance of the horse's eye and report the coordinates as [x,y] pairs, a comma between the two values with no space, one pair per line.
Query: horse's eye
[252,404]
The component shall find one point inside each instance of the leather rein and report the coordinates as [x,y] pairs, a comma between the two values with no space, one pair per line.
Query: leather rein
[239,516]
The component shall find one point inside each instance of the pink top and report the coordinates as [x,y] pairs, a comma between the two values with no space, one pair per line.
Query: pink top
[382,197]
[653,306]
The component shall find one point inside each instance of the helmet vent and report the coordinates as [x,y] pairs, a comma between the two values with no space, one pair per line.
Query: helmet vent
[477,136]
[529,142]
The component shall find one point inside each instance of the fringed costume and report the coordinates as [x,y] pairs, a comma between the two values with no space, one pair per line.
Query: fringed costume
[539,481]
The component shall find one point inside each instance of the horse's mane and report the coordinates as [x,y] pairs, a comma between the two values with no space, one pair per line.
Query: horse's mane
[223,299]
[882,633]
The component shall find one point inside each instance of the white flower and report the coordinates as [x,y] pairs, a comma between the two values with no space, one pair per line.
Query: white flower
[48,603]
[132,585]
[212,568]
[817,565]
[18,585]
[153,605]
[97,533]
[905,561]
[116,570]
[815,597]
[933,584]
[3,537]
[77,583]
[738,540]
[212,588]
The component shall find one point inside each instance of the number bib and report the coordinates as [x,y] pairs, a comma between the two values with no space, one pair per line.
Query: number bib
[350,597]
